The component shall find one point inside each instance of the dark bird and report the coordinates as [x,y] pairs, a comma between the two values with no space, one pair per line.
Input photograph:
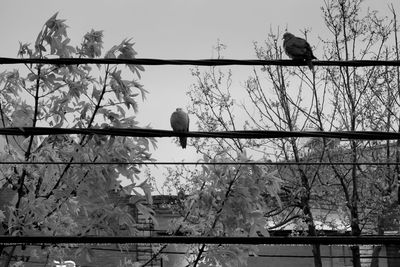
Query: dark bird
[180,123]
[298,49]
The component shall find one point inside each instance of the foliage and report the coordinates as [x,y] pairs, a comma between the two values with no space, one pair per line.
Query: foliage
[225,200]
[70,199]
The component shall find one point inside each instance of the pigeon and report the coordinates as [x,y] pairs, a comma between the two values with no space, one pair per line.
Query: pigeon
[180,123]
[298,49]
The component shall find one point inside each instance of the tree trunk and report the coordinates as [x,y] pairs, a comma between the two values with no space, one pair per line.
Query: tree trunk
[355,222]
[9,256]
[355,231]
[317,255]
[355,253]
[316,250]
[375,256]
[377,249]
[305,204]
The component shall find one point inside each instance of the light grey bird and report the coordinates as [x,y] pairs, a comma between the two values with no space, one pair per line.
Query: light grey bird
[180,123]
[298,49]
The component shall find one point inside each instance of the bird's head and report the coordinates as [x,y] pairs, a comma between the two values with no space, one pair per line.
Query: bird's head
[287,36]
[178,109]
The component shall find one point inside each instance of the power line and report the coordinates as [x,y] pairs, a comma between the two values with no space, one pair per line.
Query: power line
[197,163]
[141,132]
[258,255]
[274,240]
[196,62]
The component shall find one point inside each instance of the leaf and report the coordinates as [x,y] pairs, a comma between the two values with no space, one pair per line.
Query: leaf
[121,110]
[50,22]
[111,53]
[140,67]
[130,102]
[92,44]
[96,93]
[24,49]
[84,110]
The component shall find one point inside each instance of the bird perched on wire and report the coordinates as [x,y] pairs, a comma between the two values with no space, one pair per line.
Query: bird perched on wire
[298,49]
[180,123]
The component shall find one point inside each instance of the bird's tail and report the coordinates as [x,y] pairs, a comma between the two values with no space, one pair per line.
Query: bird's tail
[310,65]
[183,141]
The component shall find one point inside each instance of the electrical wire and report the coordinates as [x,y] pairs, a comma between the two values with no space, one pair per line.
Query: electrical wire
[196,62]
[141,132]
[256,256]
[274,240]
[198,163]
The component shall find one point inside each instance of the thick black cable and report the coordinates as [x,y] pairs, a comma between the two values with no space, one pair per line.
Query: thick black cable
[196,62]
[124,250]
[297,240]
[199,163]
[141,132]
[256,256]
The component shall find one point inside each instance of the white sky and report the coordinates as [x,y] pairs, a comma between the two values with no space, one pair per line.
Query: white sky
[169,29]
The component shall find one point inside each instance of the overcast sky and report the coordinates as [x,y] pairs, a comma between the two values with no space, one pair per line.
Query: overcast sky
[169,29]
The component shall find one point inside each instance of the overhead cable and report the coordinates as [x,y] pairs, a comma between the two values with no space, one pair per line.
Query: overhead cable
[196,62]
[273,240]
[251,163]
[141,132]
